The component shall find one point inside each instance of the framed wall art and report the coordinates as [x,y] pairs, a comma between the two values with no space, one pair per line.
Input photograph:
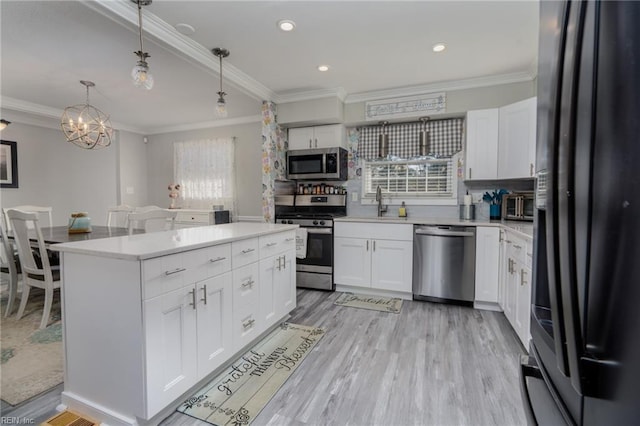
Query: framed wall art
[8,164]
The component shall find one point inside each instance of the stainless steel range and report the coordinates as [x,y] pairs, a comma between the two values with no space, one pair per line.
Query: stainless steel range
[315,213]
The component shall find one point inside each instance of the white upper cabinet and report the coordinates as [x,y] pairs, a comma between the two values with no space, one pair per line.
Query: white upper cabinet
[482,144]
[317,137]
[517,140]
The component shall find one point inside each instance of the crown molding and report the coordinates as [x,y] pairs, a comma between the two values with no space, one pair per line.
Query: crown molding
[209,124]
[306,95]
[470,83]
[125,13]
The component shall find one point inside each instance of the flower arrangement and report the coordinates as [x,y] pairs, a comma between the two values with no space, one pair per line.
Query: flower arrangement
[174,193]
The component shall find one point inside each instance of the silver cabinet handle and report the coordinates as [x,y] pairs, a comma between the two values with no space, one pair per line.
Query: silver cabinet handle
[469,172]
[175,271]
[522,281]
[271,244]
[249,250]
[204,289]
[530,169]
[374,245]
[217,259]
[248,323]
[508,241]
[316,144]
[310,143]
[517,246]
[284,261]
[290,239]
[247,283]
[193,298]
[279,260]
[510,266]
[367,245]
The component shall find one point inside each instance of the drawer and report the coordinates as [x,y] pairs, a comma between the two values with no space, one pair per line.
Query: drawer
[209,261]
[273,244]
[244,252]
[164,274]
[204,218]
[374,230]
[518,248]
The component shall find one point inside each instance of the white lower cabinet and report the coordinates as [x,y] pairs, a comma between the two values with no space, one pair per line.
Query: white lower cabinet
[213,325]
[374,255]
[487,264]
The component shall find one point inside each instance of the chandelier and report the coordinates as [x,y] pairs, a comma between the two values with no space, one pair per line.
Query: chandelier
[221,108]
[85,125]
[140,73]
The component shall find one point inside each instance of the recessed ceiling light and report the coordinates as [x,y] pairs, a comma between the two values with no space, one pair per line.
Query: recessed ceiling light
[185,29]
[286,25]
[439,47]
[323,68]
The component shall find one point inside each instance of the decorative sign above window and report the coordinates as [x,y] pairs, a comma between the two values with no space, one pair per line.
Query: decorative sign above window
[408,106]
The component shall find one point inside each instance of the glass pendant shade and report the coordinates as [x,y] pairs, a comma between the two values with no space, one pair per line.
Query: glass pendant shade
[221,106]
[141,76]
[85,125]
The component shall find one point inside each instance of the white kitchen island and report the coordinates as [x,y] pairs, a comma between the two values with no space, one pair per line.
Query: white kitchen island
[148,318]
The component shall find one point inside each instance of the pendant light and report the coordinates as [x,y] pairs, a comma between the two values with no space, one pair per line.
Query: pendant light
[221,107]
[424,137]
[383,140]
[4,123]
[85,125]
[140,73]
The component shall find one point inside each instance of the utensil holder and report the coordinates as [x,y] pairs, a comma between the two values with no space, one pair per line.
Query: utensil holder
[494,211]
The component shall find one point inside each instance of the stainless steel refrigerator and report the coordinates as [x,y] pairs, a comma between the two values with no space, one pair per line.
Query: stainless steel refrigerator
[584,361]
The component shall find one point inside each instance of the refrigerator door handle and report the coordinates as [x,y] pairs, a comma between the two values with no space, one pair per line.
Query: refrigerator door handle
[528,370]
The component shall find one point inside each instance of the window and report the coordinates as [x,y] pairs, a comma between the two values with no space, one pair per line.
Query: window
[206,173]
[430,180]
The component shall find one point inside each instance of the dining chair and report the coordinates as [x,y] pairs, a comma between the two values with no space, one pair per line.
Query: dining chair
[119,215]
[41,210]
[152,220]
[9,265]
[36,269]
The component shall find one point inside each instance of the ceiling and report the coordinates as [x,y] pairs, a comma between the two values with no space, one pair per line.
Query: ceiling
[375,49]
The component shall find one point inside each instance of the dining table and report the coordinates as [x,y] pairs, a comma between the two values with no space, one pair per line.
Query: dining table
[60,234]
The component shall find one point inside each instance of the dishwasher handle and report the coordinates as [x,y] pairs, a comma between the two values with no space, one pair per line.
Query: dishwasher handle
[444,233]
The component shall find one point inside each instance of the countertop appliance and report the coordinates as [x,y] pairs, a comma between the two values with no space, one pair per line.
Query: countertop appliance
[583,366]
[518,206]
[315,213]
[444,259]
[318,164]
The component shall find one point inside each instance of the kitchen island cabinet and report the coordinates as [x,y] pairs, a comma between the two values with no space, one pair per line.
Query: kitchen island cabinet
[147,318]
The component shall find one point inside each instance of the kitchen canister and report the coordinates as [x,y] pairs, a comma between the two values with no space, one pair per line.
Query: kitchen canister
[79,223]
[467,212]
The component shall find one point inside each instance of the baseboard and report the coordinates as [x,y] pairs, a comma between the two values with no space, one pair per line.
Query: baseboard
[487,306]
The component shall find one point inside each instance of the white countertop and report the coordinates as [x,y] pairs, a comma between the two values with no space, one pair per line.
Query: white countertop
[155,244]
[523,228]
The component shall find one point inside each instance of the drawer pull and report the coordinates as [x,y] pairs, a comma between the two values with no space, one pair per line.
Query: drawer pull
[284,261]
[517,246]
[175,271]
[218,259]
[249,250]
[247,283]
[248,323]
[290,239]
[271,244]
[193,298]
[279,263]
[204,289]
[522,281]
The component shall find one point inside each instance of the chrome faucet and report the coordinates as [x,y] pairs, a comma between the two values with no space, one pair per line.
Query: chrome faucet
[381,208]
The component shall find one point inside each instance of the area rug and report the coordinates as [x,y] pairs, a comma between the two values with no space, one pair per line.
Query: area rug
[236,396]
[384,304]
[31,358]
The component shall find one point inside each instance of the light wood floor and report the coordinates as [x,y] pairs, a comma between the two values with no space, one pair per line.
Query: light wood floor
[432,364]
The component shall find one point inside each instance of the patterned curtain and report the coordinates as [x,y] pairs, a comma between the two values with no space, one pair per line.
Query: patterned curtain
[205,170]
[445,139]
[273,158]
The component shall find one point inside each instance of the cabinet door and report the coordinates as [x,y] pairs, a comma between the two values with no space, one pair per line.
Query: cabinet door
[504,269]
[214,322]
[392,265]
[170,340]
[487,263]
[482,144]
[352,261]
[286,284]
[510,289]
[301,138]
[516,141]
[247,324]
[328,136]
[523,304]
[269,269]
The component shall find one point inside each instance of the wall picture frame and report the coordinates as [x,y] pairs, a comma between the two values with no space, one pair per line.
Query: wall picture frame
[8,164]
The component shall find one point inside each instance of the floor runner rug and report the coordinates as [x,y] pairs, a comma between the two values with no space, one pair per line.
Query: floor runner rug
[31,358]
[384,304]
[236,396]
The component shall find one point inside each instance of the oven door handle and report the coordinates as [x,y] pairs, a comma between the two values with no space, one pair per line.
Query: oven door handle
[319,230]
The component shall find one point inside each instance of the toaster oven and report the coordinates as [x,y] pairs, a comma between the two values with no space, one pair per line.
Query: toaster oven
[518,206]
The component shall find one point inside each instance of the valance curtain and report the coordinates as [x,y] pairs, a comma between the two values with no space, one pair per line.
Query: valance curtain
[205,170]
[445,139]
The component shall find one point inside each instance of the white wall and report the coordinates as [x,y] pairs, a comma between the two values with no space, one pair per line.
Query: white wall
[56,173]
[248,163]
[132,169]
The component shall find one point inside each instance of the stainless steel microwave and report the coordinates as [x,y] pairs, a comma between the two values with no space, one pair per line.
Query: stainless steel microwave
[317,164]
[518,206]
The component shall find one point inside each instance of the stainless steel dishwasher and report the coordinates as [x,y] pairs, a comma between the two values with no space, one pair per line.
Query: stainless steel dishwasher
[444,260]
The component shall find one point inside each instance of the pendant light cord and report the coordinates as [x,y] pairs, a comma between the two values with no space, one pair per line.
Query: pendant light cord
[140,26]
